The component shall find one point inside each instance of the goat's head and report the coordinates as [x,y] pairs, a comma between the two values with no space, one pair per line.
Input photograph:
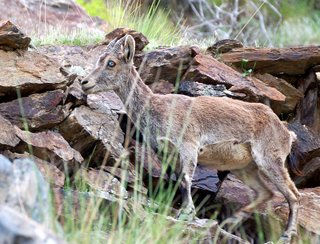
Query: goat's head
[113,67]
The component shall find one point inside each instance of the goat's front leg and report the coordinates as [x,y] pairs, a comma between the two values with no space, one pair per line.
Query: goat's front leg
[188,163]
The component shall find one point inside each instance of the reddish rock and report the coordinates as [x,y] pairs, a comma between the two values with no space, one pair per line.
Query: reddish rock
[7,134]
[11,38]
[31,72]
[51,141]
[293,95]
[208,70]
[224,46]
[84,128]
[164,63]
[140,39]
[37,111]
[292,61]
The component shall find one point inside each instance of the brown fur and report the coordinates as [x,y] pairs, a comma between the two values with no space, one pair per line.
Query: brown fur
[222,133]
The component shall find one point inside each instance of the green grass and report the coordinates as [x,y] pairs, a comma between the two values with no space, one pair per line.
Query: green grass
[59,36]
[298,31]
[154,22]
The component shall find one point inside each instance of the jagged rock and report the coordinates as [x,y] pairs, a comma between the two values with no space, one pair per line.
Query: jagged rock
[7,134]
[84,127]
[17,228]
[308,143]
[11,38]
[140,39]
[103,184]
[49,171]
[292,61]
[57,14]
[310,174]
[164,63]
[31,72]
[6,174]
[106,102]
[308,110]
[49,141]
[224,46]
[293,95]
[28,192]
[38,111]
[127,174]
[206,69]
[194,89]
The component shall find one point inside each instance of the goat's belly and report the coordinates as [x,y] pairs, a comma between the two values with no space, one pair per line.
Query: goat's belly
[225,156]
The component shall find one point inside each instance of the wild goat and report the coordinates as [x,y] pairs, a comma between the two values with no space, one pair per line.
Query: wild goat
[221,133]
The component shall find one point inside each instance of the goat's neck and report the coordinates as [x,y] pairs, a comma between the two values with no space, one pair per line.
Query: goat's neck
[136,96]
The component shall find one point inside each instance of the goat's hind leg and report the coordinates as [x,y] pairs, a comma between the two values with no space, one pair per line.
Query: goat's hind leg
[277,174]
[251,177]
[188,163]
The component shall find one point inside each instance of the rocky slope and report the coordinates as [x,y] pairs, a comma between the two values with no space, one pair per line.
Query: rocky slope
[42,107]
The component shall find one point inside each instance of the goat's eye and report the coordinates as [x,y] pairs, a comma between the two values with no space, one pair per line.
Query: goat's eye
[111,64]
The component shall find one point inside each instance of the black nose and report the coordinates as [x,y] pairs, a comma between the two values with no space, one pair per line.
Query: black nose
[84,82]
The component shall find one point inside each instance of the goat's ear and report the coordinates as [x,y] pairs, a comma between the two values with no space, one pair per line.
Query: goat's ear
[129,48]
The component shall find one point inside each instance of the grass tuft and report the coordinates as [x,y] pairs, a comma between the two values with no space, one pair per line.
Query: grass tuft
[153,22]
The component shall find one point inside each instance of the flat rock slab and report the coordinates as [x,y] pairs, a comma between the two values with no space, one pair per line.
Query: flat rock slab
[206,69]
[31,72]
[38,111]
[293,95]
[291,61]
[51,141]
[8,136]
[84,127]
[11,38]
[164,63]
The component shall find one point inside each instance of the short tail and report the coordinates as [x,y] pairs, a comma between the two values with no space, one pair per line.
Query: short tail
[296,157]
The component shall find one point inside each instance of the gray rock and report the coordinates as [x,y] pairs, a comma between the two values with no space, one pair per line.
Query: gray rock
[15,228]
[6,173]
[27,192]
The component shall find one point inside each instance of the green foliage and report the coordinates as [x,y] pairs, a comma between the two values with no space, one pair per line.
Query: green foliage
[58,36]
[154,22]
[298,31]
